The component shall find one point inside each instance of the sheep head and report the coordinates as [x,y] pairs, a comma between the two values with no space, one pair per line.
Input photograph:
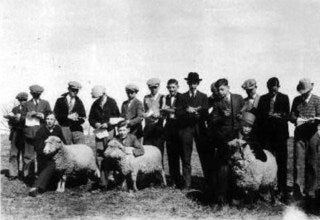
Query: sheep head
[237,147]
[114,150]
[52,145]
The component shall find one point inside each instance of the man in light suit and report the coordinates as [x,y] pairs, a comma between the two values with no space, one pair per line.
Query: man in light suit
[34,110]
[226,117]
[191,112]
[132,111]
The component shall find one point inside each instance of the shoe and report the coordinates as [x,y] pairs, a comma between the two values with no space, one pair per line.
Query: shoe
[33,192]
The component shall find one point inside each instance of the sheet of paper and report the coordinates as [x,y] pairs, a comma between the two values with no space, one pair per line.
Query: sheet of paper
[32,121]
[115,121]
[101,133]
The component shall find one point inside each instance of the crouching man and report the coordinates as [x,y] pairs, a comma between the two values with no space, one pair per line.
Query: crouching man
[127,139]
[45,163]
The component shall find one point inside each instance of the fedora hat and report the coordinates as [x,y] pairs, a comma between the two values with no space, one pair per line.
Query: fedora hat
[304,85]
[193,77]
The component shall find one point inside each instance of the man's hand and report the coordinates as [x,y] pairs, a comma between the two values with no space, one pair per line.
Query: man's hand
[128,151]
[73,117]
[104,125]
[227,112]
[97,125]
[39,115]
[191,109]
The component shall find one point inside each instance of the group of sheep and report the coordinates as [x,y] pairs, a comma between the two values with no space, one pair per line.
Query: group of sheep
[250,174]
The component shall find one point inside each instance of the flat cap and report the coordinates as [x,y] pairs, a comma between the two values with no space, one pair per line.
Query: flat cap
[98,91]
[74,85]
[249,84]
[36,89]
[248,118]
[153,82]
[22,96]
[132,87]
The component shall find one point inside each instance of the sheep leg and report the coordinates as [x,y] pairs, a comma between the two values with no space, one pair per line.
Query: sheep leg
[163,175]
[59,186]
[63,183]
[124,185]
[134,181]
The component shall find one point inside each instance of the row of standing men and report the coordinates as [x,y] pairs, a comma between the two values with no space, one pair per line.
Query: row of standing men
[181,119]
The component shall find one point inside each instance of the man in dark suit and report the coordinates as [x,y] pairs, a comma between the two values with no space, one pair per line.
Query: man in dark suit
[33,114]
[226,118]
[16,136]
[132,111]
[191,112]
[272,124]
[171,131]
[71,114]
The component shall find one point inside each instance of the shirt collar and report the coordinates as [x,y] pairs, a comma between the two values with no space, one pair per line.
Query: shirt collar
[195,93]
[309,97]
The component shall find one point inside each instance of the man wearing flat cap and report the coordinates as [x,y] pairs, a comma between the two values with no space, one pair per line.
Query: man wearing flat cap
[304,112]
[70,113]
[102,109]
[16,136]
[33,114]
[153,102]
[251,102]
[272,124]
[191,112]
[132,111]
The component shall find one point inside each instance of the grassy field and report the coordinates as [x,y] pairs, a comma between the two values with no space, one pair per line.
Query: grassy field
[151,202]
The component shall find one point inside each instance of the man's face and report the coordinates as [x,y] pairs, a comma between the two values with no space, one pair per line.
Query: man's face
[123,131]
[246,129]
[173,88]
[193,85]
[154,89]
[251,92]
[22,102]
[35,95]
[73,92]
[131,94]
[223,90]
[273,90]
[50,120]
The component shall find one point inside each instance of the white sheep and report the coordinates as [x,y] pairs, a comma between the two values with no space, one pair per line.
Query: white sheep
[128,165]
[70,158]
[251,174]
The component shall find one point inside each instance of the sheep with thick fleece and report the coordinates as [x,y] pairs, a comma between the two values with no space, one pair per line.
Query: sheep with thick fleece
[249,173]
[129,165]
[70,158]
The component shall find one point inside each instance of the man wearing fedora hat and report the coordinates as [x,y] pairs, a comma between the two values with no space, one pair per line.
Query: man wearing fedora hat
[33,114]
[272,124]
[191,113]
[305,109]
[70,113]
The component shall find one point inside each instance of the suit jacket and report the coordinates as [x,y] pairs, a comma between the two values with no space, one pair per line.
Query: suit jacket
[171,126]
[273,127]
[133,113]
[42,107]
[132,141]
[186,119]
[226,127]
[43,133]
[61,111]
[103,115]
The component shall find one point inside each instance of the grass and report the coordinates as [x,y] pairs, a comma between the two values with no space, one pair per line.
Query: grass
[151,202]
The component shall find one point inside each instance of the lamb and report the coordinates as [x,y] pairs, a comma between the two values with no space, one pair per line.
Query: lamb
[250,174]
[70,158]
[128,165]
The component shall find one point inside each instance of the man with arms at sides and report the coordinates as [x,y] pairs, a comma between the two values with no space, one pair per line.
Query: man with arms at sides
[226,118]
[191,112]
[71,114]
[33,114]
[305,108]
[102,109]
[132,111]
[171,131]
[153,102]
[46,163]
[16,136]
[272,123]
[251,102]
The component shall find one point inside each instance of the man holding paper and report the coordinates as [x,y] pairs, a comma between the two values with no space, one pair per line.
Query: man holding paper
[33,113]
[70,113]
[305,114]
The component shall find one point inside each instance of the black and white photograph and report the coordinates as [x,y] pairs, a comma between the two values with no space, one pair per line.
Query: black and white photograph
[160,109]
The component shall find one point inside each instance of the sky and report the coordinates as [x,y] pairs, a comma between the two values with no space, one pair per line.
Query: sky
[113,43]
